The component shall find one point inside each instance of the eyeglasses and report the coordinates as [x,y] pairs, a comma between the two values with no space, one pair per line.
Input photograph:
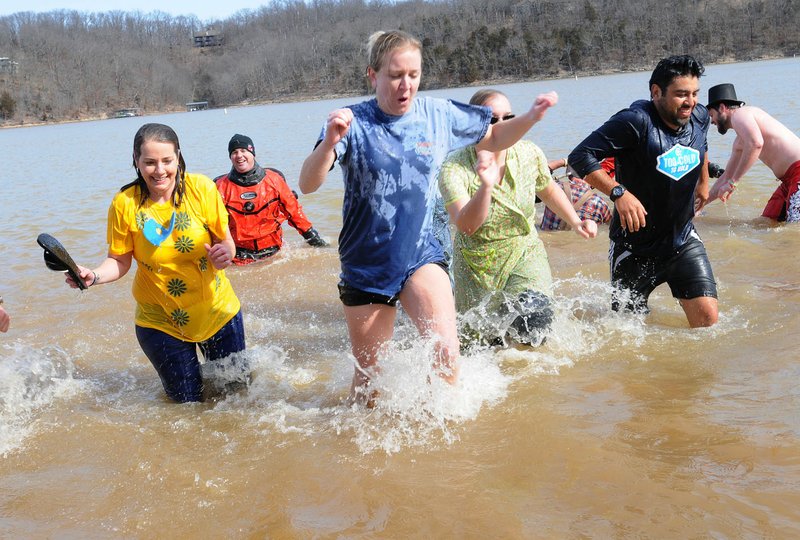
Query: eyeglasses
[155,233]
[496,119]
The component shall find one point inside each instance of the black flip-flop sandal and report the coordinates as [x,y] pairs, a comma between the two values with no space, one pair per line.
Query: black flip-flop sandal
[57,259]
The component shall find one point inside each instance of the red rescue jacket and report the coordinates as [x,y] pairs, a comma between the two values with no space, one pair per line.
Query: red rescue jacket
[257,212]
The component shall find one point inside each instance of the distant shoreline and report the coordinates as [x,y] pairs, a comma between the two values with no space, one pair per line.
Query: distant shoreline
[321,96]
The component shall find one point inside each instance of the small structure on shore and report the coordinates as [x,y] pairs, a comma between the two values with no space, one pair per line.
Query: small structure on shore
[7,65]
[210,37]
[197,106]
[127,113]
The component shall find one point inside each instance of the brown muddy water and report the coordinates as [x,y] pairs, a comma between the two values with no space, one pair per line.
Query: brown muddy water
[618,427]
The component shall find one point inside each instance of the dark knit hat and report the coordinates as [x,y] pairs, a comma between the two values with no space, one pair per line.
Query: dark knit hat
[241,141]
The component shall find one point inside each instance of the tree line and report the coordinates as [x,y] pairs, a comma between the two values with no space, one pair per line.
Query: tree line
[70,65]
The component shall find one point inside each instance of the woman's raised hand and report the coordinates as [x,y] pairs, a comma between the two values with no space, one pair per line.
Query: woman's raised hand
[338,124]
[542,103]
[487,168]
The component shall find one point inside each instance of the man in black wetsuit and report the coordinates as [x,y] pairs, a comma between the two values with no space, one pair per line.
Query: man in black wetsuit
[661,181]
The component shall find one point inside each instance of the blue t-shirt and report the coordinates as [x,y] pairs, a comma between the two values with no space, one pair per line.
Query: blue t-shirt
[390,166]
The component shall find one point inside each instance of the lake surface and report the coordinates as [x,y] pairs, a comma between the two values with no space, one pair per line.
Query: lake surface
[619,427]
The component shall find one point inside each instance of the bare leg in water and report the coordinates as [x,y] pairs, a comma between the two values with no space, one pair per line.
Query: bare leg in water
[428,301]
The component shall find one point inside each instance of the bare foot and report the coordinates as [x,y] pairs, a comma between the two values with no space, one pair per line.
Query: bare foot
[372,399]
[361,396]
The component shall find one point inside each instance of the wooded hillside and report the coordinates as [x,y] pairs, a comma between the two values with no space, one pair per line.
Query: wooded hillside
[68,65]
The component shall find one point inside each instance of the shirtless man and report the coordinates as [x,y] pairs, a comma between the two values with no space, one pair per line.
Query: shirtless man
[758,136]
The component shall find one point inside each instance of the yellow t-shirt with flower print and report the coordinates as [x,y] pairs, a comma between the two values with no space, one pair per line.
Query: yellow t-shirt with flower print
[176,288]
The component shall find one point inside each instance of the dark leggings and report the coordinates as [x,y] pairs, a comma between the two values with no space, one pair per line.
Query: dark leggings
[176,360]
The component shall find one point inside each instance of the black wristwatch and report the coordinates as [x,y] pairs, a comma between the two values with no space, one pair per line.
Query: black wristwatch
[616,192]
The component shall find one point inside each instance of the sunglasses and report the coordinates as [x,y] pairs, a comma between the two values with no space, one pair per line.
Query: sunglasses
[496,119]
[155,233]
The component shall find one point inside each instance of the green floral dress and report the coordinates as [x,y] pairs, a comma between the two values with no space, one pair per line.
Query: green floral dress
[505,253]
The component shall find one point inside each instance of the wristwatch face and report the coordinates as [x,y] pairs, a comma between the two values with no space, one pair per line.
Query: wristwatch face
[616,192]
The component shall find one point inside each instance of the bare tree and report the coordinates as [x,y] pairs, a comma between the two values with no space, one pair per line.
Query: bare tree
[73,64]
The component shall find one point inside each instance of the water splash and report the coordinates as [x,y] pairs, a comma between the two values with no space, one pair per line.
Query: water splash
[31,380]
[415,406]
[299,389]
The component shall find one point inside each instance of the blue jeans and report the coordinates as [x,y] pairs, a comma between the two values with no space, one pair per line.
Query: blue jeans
[176,360]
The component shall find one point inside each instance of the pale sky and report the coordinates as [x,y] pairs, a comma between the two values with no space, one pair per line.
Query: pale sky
[205,10]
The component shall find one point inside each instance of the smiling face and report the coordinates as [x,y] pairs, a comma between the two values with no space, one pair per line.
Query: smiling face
[158,165]
[397,81]
[676,103]
[243,161]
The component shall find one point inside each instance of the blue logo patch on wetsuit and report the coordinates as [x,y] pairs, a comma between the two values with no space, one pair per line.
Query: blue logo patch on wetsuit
[678,161]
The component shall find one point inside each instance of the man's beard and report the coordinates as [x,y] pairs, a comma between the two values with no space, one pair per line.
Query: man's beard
[672,117]
[682,121]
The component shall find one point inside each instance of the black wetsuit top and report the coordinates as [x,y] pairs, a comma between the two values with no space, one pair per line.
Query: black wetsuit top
[657,164]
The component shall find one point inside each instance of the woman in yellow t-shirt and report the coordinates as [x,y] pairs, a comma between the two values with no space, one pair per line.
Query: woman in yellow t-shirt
[176,227]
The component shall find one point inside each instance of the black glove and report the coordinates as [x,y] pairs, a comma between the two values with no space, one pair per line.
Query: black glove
[714,170]
[313,238]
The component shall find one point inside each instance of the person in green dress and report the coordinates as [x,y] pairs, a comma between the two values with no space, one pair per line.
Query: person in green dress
[503,284]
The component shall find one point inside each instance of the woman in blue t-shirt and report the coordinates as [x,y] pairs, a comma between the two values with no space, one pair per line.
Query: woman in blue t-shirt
[390,149]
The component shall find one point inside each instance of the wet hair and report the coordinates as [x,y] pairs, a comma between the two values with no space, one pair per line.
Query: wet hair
[482,96]
[164,134]
[381,43]
[675,66]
